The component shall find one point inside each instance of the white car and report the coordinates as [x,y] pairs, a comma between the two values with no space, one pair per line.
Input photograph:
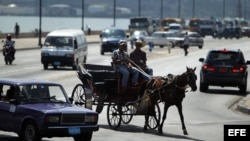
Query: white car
[175,27]
[160,38]
[195,39]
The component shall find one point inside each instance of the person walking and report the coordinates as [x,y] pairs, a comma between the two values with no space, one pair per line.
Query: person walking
[17,30]
[139,57]
[186,43]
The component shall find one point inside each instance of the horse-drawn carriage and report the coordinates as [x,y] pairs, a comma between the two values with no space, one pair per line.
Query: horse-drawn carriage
[101,85]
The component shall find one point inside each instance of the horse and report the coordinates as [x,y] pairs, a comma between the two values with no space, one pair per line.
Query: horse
[171,91]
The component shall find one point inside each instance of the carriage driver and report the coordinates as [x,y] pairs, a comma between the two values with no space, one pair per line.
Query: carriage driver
[121,63]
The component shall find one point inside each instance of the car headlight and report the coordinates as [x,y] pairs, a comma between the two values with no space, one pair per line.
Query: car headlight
[91,118]
[52,119]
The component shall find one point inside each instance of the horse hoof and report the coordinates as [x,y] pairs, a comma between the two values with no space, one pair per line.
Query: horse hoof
[185,132]
[145,127]
[160,132]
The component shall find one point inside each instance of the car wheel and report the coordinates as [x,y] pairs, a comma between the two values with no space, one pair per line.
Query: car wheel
[45,66]
[161,46]
[243,88]
[200,47]
[203,87]
[86,137]
[30,132]
[102,52]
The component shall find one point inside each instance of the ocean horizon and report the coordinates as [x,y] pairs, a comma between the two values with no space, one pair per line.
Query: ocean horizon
[30,23]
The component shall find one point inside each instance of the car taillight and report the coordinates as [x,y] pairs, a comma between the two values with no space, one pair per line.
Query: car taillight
[238,69]
[208,68]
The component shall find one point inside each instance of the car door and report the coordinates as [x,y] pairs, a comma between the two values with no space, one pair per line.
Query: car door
[7,110]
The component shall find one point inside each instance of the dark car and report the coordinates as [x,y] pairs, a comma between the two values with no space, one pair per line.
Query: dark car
[35,109]
[110,38]
[223,67]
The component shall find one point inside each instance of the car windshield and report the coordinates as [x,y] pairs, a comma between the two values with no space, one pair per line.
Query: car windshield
[37,93]
[59,41]
[139,33]
[224,56]
[114,33]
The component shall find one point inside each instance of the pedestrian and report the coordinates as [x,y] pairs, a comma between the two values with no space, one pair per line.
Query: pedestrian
[139,57]
[17,30]
[121,63]
[186,43]
[88,29]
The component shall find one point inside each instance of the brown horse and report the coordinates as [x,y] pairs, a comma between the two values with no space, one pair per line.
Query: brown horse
[171,93]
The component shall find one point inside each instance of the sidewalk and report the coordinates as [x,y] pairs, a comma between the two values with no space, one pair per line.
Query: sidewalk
[32,43]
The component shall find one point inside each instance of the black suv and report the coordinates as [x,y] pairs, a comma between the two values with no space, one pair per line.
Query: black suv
[110,38]
[224,68]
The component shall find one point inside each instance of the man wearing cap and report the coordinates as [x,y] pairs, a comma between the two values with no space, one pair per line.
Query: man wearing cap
[139,57]
[120,60]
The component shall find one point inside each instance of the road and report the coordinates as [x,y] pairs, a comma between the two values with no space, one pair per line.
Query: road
[205,113]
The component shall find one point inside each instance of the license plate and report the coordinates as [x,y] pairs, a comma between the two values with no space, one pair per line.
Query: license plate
[57,63]
[74,131]
[223,70]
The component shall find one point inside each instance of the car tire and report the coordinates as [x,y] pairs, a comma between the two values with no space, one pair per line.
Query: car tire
[200,47]
[203,87]
[161,46]
[243,87]
[30,132]
[102,52]
[45,66]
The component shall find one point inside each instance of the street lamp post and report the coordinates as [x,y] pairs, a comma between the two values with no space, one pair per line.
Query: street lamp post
[114,13]
[161,9]
[193,8]
[223,12]
[40,23]
[139,8]
[179,9]
[82,15]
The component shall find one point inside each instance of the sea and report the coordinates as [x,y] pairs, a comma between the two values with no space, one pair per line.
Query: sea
[30,23]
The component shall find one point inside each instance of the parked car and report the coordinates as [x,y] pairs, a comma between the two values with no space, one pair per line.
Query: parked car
[195,39]
[110,38]
[138,34]
[35,109]
[160,38]
[224,67]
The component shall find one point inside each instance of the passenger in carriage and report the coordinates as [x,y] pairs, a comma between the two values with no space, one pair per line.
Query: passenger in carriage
[120,60]
[139,57]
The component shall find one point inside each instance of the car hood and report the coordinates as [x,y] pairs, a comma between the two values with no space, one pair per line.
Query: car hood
[55,108]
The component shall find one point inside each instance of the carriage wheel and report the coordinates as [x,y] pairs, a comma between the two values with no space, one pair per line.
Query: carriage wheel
[127,113]
[113,116]
[81,97]
[100,104]
[154,119]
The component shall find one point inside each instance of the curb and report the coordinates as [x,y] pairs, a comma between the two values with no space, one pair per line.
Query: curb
[242,106]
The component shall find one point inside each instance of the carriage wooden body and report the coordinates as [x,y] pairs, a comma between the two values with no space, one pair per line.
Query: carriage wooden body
[101,86]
